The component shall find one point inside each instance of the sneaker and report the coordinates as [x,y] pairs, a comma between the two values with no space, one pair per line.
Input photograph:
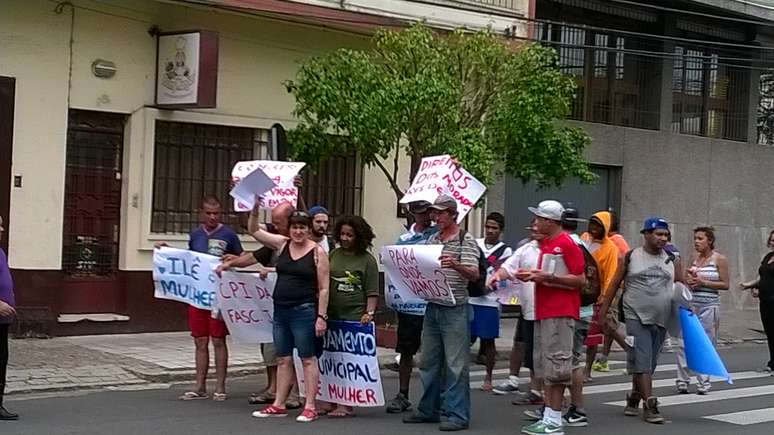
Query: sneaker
[632,405]
[419,419]
[682,387]
[650,411]
[600,366]
[7,415]
[703,389]
[399,404]
[529,398]
[535,414]
[541,428]
[307,416]
[452,426]
[575,418]
[271,411]
[511,386]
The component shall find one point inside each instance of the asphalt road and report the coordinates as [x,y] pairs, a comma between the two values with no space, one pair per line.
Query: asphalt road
[158,411]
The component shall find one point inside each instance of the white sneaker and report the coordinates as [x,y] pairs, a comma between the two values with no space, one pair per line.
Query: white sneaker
[511,386]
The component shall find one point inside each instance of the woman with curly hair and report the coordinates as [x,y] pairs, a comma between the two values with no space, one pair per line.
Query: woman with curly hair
[354,289]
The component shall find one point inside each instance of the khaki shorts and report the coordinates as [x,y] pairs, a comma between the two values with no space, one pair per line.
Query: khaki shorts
[269,354]
[553,350]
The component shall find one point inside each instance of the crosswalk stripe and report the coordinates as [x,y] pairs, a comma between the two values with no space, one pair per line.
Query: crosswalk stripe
[626,386]
[684,399]
[744,418]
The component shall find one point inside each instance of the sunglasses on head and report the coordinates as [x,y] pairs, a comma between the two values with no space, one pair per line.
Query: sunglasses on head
[301,214]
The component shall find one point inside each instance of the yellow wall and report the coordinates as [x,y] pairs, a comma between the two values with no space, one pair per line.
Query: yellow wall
[256,55]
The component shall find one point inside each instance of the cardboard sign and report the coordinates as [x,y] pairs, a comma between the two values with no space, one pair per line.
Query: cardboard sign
[349,367]
[417,270]
[439,175]
[402,300]
[246,303]
[185,276]
[280,173]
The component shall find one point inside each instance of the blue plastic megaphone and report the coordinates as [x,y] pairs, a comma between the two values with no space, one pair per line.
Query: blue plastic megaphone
[699,351]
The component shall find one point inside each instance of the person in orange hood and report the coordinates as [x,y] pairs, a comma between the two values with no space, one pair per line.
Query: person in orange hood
[608,258]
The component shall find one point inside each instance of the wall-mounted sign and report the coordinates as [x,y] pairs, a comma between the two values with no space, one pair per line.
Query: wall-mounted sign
[187,69]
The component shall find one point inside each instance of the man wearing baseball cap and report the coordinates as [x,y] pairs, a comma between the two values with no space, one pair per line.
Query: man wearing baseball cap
[446,331]
[558,279]
[410,325]
[648,273]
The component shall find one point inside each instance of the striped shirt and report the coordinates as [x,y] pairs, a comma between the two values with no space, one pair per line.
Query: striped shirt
[708,272]
[466,252]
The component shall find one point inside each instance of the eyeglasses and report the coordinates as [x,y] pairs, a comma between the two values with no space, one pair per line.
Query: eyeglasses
[301,214]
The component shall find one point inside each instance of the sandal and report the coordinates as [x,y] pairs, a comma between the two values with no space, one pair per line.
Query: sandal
[271,411]
[219,397]
[340,413]
[193,395]
[487,387]
[260,398]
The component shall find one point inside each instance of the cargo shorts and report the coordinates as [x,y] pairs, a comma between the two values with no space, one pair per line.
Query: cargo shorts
[553,350]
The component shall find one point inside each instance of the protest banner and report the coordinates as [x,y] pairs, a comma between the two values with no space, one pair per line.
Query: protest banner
[417,269]
[349,368]
[402,300]
[439,175]
[281,174]
[255,184]
[246,303]
[185,276]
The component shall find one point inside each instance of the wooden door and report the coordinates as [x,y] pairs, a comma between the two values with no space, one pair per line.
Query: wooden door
[92,213]
[7,87]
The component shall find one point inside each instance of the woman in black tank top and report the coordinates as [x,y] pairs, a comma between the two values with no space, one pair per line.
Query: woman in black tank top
[300,310]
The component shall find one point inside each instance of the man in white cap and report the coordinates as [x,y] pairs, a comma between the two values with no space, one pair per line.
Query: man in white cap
[558,280]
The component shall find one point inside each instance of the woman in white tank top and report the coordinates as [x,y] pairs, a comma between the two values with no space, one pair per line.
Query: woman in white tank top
[706,277]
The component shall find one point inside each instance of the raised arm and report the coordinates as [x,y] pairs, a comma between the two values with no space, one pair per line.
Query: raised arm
[272,241]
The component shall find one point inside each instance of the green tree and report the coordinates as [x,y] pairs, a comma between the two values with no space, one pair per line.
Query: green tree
[475,96]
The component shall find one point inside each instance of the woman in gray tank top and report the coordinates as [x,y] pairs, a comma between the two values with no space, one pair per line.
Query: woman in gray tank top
[707,276]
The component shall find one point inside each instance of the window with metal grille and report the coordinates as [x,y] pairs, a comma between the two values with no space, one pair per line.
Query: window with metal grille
[335,183]
[615,84]
[766,109]
[195,160]
[709,95]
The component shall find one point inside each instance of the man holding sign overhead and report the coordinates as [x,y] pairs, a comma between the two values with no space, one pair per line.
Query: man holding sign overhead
[446,331]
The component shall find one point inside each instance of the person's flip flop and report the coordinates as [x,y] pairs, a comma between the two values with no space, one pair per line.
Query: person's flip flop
[260,398]
[193,395]
[219,397]
[340,414]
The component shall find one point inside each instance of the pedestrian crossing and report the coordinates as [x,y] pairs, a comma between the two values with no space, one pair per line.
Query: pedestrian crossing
[602,385]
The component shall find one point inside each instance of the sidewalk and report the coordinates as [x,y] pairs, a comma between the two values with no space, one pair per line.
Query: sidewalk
[137,360]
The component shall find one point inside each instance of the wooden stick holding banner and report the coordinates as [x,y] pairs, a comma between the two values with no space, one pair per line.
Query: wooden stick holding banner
[185,276]
[415,270]
[349,367]
[281,174]
[441,175]
[246,303]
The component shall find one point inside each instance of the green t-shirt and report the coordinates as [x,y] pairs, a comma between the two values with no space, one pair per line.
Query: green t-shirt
[353,279]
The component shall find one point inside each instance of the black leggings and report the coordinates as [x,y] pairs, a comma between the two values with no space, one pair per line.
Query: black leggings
[3,358]
[767,318]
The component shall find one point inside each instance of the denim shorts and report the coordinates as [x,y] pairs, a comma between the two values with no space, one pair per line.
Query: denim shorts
[294,328]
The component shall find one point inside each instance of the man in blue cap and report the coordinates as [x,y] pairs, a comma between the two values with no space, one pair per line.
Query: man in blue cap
[320,222]
[648,273]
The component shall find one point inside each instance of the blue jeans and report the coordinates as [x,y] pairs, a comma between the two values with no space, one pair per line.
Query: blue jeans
[446,354]
[294,328]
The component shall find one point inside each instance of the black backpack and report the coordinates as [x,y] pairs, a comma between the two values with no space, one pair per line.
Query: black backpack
[478,287]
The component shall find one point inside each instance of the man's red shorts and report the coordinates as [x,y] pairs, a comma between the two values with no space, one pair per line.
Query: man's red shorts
[202,324]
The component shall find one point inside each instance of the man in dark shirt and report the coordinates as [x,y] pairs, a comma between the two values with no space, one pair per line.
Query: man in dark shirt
[214,238]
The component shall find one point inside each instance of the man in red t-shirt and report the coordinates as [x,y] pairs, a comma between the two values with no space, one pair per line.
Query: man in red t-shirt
[558,280]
